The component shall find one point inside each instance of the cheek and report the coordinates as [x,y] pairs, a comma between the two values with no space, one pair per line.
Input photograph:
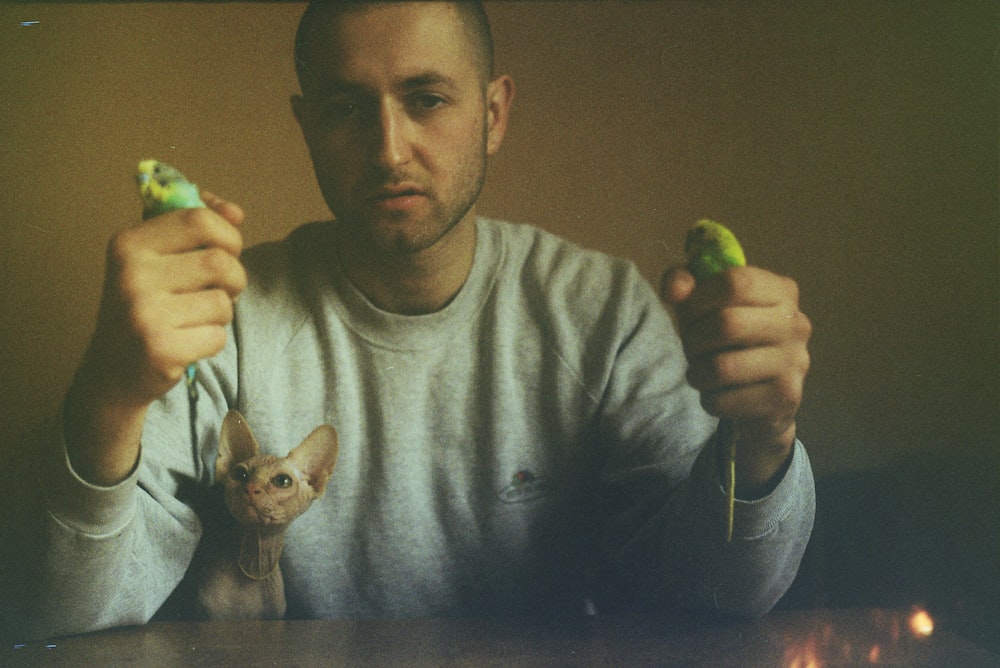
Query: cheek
[335,176]
[334,156]
[460,150]
[329,161]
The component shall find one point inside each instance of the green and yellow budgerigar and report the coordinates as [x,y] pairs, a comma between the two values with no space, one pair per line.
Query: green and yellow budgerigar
[710,249]
[164,189]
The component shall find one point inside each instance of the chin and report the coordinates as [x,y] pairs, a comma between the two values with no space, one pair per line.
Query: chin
[402,237]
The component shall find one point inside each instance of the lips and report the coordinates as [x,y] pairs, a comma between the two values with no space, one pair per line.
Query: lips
[397,197]
[392,192]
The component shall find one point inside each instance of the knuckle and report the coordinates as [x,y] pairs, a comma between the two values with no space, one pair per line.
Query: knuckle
[797,357]
[803,326]
[197,218]
[122,247]
[739,281]
[235,279]
[222,306]
[215,262]
[242,280]
[216,339]
[220,338]
[804,362]
[725,367]
[789,394]
[729,324]
[196,224]
[791,289]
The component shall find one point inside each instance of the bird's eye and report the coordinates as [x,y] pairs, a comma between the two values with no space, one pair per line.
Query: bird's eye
[282,481]
[239,473]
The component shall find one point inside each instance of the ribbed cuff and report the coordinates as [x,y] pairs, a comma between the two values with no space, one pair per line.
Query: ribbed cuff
[755,519]
[86,508]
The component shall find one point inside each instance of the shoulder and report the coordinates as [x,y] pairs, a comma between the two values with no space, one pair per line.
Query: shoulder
[276,265]
[564,272]
[284,278]
[578,296]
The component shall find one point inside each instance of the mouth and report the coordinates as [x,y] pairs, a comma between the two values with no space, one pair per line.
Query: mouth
[397,197]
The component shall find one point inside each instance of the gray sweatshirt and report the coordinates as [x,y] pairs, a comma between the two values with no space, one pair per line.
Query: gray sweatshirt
[528,448]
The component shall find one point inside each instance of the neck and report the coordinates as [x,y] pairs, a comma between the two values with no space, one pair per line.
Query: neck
[412,283]
[260,550]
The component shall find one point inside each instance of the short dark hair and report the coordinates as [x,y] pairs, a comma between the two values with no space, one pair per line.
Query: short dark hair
[471,12]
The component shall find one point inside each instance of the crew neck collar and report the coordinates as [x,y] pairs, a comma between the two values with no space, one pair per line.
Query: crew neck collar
[415,332]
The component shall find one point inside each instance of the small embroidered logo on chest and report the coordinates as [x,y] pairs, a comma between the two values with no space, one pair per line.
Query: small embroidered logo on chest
[524,486]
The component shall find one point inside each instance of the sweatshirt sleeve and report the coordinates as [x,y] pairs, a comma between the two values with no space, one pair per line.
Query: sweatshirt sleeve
[110,556]
[664,521]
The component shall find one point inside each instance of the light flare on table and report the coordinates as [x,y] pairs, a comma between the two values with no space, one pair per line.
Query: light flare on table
[829,646]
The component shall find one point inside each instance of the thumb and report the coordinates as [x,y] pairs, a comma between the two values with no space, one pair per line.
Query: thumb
[231,211]
[676,285]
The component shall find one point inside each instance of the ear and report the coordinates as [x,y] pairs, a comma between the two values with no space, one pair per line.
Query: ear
[499,98]
[316,456]
[236,444]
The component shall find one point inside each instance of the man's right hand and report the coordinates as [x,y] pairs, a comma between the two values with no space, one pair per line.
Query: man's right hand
[168,296]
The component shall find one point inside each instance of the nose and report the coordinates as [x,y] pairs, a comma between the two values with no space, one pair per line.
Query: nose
[253,489]
[394,136]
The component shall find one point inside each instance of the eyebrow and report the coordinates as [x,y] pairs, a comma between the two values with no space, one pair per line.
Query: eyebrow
[407,84]
[425,79]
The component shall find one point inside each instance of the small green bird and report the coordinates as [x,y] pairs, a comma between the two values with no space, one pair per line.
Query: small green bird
[711,248]
[164,189]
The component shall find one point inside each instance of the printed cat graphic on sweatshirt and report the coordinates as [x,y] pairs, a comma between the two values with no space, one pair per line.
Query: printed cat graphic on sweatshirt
[239,576]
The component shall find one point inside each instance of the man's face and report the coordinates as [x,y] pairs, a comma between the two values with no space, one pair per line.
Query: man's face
[395,115]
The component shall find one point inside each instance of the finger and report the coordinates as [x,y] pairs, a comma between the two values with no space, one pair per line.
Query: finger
[232,212]
[735,368]
[208,307]
[676,285]
[740,327]
[739,286]
[759,401]
[185,230]
[208,268]
[173,353]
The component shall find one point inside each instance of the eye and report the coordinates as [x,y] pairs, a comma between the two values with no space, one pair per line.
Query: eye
[427,101]
[282,481]
[337,111]
[239,473]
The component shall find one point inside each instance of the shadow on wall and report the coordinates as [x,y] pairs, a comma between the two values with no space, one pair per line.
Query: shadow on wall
[922,532]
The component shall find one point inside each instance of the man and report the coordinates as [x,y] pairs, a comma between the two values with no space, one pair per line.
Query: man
[519,429]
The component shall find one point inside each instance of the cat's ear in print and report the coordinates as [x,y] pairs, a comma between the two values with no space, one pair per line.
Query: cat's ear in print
[316,456]
[236,444]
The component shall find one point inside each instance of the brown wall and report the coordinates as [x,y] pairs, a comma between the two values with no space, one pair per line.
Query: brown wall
[852,145]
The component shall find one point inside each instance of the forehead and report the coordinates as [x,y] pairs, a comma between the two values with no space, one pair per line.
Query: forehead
[385,43]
